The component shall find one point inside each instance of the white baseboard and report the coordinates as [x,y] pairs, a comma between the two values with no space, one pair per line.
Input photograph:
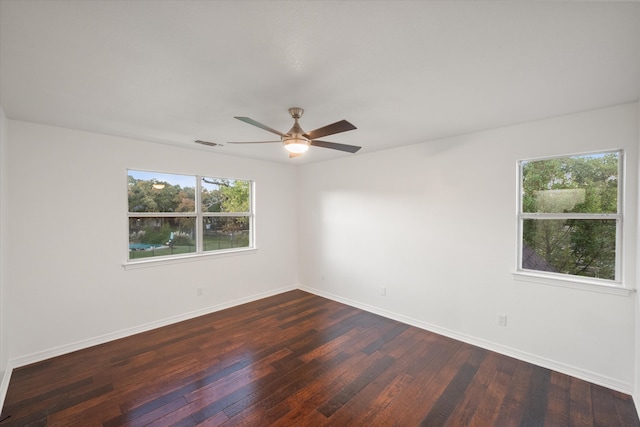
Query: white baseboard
[80,345]
[636,401]
[573,371]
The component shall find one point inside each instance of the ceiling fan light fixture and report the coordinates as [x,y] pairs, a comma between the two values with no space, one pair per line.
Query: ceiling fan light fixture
[296,145]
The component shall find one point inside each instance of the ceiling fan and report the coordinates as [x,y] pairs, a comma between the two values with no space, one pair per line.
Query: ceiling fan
[297,141]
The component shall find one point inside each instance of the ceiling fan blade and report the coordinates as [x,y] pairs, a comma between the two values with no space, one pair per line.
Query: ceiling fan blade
[252,142]
[260,125]
[337,127]
[335,146]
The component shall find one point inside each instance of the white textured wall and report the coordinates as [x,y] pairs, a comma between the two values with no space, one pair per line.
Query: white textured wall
[68,239]
[435,223]
[636,394]
[4,194]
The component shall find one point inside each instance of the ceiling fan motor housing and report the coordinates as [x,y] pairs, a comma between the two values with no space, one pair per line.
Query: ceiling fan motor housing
[295,141]
[296,112]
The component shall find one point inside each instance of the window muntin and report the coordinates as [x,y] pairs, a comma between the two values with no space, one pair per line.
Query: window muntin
[171,214]
[570,221]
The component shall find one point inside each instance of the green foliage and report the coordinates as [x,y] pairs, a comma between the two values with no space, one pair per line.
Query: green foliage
[593,178]
[185,199]
[157,235]
[180,238]
[136,236]
[235,198]
[580,184]
[241,240]
[223,195]
[172,198]
[592,245]
[217,241]
[211,201]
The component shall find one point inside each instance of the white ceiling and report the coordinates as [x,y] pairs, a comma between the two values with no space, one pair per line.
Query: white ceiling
[403,72]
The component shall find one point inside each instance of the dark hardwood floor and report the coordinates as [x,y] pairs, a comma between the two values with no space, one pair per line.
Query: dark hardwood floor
[297,359]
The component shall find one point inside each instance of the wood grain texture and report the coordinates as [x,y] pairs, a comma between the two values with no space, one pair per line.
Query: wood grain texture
[296,359]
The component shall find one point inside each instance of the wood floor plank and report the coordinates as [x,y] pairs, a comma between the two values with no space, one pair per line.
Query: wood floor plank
[410,403]
[558,400]
[279,403]
[333,347]
[364,407]
[626,413]
[513,403]
[435,381]
[462,414]
[150,417]
[103,406]
[390,391]
[449,399]
[490,403]
[296,359]
[327,383]
[535,403]
[602,402]
[385,338]
[218,390]
[339,400]
[43,398]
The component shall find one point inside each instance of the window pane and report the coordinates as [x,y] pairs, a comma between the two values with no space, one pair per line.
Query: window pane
[161,192]
[225,195]
[574,246]
[578,184]
[161,236]
[225,232]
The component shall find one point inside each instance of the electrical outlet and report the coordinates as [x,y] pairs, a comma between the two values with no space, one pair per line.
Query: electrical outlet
[383,291]
[502,320]
[199,291]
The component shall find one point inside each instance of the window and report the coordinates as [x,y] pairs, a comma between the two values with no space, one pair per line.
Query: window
[570,220]
[180,215]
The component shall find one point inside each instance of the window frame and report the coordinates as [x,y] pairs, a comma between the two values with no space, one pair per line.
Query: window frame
[199,215]
[563,279]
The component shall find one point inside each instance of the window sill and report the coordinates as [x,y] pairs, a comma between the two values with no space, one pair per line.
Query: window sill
[157,262]
[573,283]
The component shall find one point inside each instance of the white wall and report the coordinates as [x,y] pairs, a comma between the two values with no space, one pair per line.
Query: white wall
[4,194]
[435,224]
[636,394]
[69,234]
